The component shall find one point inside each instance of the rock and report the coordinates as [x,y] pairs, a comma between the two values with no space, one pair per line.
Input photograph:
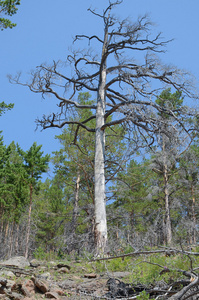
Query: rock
[67,284]
[91,275]
[6,286]
[25,292]
[89,286]
[55,288]
[17,261]
[62,265]
[35,263]
[8,274]
[59,292]
[63,270]
[28,288]
[3,290]
[16,296]
[41,285]
[51,295]
[3,281]
[45,275]
[41,268]
[11,284]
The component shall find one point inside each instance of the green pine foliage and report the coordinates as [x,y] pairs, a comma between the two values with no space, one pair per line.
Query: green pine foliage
[49,213]
[13,191]
[5,107]
[131,194]
[8,8]
[34,162]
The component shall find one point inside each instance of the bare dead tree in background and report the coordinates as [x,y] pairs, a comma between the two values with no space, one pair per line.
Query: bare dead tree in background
[125,89]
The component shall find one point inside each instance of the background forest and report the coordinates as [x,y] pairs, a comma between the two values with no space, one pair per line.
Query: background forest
[151,156]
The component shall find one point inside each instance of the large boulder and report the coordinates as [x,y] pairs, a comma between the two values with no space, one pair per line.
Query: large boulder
[17,261]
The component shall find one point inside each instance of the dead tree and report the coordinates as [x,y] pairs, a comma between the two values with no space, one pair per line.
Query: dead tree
[124,88]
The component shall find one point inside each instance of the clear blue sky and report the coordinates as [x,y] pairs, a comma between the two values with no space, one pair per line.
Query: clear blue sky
[44,32]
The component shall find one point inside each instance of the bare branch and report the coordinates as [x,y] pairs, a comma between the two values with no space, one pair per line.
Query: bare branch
[80,36]
[51,123]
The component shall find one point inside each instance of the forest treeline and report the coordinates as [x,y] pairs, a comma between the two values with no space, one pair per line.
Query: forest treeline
[152,192]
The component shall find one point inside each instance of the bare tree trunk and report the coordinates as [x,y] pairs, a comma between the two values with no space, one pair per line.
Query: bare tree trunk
[193,215]
[17,240]
[168,232]
[100,192]
[1,217]
[74,218]
[11,242]
[6,232]
[28,225]
[167,225]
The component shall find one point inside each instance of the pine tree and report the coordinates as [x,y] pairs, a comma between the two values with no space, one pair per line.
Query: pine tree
[131,203]
[75,163]
[171,142]
[13,194]
[189,180]
[34,164]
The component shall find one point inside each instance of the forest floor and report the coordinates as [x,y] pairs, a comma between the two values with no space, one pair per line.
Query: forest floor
[71,280]
[155,277]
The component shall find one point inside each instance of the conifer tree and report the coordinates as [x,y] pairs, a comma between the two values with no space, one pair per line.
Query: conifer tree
[75,163]
[172,140]
[50,209]
[13,195]
[34,164]
[131,190]
[189,180]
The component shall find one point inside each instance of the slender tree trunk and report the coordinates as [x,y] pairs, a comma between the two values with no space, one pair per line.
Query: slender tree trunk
[168,232]
[193,215]
[11,242]
[74,218]
[17,240]
[167,229]
[28,225]
[100,192]
[6,232]
[2,222]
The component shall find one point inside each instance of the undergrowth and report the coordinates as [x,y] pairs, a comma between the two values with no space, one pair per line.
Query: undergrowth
[147,269]
[143,269]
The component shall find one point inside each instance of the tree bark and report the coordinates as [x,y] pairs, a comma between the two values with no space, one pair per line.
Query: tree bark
[74,218]
[167,229]
[168,232]
[100,192]
[11,242]
[193,215]
[17,240]
[28,225]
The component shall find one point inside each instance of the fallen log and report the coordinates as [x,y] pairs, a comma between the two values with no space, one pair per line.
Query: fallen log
[194,281]
[17,270]
[168,252]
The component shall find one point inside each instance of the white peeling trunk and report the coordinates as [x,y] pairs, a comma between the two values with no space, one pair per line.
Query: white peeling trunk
[168,231]
[75,209]
[100,190]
